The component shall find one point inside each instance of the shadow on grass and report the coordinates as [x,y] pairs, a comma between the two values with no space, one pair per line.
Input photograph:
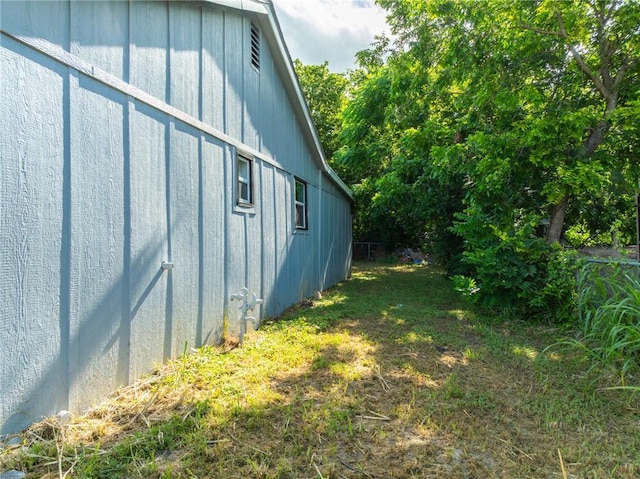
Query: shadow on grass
[390,375]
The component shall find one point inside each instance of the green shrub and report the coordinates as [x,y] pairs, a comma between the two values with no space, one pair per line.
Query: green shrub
[556,297]
[513,268]
[504,259]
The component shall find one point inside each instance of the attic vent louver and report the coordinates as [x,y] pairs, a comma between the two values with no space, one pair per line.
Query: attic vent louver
[255,46]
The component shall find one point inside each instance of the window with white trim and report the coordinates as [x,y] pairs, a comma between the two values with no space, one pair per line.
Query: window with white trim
[301,204]
[244,188]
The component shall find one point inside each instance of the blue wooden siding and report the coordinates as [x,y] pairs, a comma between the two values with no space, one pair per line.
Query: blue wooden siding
[32,219]
[149,49]
[121,123]
[93,182]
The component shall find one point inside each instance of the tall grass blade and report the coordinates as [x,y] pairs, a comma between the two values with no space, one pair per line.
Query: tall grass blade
[609,312]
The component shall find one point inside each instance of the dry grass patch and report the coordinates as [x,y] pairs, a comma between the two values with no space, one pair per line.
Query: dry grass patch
[390,375]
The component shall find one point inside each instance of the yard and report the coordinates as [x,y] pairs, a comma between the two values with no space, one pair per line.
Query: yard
[390,375]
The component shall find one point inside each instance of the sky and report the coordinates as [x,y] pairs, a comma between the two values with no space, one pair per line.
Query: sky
[331,30]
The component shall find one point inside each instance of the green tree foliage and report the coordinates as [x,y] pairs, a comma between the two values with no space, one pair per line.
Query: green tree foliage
[325,93]
[490,127]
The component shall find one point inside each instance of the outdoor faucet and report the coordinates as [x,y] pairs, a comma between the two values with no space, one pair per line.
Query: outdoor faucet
[249,302]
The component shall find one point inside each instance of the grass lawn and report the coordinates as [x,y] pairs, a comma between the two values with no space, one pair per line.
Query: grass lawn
[390,375]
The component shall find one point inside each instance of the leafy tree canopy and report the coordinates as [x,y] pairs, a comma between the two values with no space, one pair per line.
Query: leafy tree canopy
[489,128]
[325,93]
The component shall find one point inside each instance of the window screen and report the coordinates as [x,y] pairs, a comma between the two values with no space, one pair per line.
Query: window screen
[301,204]
[244,195]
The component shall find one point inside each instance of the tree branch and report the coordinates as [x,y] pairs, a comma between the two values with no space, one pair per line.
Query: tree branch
[626,66]
[578,58]
[539,30]
[619,76]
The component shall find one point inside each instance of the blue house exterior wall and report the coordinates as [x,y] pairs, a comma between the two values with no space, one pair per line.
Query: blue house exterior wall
[121,122]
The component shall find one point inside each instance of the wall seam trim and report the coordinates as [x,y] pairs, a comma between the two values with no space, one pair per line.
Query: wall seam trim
[62,56]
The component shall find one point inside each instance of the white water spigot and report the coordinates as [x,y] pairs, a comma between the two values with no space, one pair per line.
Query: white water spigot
[249,302]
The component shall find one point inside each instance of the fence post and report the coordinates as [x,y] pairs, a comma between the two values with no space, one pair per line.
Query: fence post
[638,223]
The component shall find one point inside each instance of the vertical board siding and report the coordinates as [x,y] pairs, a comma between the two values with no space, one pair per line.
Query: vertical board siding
[268,122]
[288,154]
[336,234]
[280,135]
[183,230]
[98,189]
[100,35]
[236,244]
[213,70]
[98,280]
[37,19]
[283,237]
[185,46]
[269,237]
[33,316]
[149,48]
[150,342]
[251,100]
[253,236]
[234,66]
[213,231]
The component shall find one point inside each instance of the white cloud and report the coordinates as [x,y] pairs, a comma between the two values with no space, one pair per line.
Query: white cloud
[331,30]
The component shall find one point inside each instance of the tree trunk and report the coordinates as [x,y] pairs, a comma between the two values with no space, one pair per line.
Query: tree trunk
[557,220]
[595,138]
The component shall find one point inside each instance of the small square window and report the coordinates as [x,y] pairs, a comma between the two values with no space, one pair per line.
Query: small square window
[301,204]
[245,181]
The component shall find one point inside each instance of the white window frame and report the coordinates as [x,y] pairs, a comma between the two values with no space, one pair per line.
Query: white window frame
[244,177]
[300,205]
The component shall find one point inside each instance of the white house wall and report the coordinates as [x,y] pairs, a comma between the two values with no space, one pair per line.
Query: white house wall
[121,123]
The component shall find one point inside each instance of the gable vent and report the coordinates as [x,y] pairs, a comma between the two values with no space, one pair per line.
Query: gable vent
[255,46]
